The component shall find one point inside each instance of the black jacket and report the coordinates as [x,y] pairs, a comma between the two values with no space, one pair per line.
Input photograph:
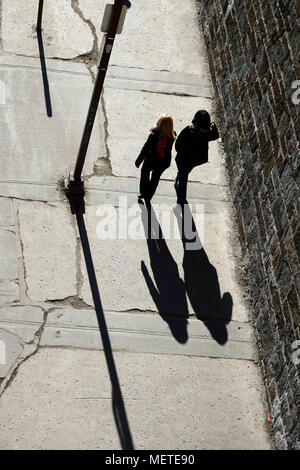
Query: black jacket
[149,152]
[192,145]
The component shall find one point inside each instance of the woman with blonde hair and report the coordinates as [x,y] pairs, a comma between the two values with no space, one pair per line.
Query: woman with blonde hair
[156,155]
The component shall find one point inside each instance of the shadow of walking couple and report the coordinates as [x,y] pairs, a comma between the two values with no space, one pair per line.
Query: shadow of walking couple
[200,284]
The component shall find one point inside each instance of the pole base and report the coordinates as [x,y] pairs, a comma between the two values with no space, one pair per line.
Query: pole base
[75,193]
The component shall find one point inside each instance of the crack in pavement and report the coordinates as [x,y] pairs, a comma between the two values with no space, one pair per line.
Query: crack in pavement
[102,166]
[90,60]
[92,56]
[73,301]
[106,135]
[23,288]
[35,342]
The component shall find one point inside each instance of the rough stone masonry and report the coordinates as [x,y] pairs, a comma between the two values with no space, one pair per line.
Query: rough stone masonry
[253,49]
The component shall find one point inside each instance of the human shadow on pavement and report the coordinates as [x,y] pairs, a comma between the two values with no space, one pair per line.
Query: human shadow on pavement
[167,288]
[201,281]
[117,399]
[42,59]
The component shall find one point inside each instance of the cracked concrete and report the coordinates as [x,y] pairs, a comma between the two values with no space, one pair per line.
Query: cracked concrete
[46,233]
[111,256]
[21,262]
[8,257]
[55,390]
[65,33]
[6,212]
[127,136]
[144,332]
[38,156]
[167,40]
[104,164]
[76,8]
[21,337]
[180,419]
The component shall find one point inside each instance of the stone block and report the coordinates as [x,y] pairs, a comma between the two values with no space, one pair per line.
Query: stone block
[60,21]
[49,248]
[6,212]
[8,256]
[10,349]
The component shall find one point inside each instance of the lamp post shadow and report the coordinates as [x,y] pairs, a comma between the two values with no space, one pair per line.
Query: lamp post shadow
[117,398]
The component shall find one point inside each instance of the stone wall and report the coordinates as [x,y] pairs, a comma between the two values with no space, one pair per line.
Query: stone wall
[253,52]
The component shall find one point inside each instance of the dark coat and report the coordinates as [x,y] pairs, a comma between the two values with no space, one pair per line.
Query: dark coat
[149,153]
[192,145]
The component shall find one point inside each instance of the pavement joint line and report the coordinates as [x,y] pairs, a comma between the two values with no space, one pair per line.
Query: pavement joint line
[169,196]
[137,332]
[64,326]
[162,181]
[112,77]
[47,328]
[19,322]
[197,89]
[49,69]
[115,191]
[172,93]
[41,183]
[118,349]
[148,315]
[167,82]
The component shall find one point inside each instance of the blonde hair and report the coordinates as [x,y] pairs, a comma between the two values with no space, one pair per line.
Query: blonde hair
[165,126]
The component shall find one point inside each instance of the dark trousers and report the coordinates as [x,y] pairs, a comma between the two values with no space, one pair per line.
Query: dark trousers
[181,182]
[149,180]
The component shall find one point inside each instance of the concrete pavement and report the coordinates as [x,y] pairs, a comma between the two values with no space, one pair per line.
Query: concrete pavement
[185,385]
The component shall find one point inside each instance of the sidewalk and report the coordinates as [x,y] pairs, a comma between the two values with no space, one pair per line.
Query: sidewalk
[185,383]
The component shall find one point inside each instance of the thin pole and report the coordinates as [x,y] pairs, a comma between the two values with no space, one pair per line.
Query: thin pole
[40,15]
[105,53]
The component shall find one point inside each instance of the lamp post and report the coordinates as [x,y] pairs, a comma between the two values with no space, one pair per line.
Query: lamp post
[40,15]
[112,24]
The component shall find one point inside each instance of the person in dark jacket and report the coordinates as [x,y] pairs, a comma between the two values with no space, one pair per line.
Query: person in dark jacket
[156,155]
[192,150]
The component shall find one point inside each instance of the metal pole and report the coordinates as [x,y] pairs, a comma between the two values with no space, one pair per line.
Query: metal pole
[105,53]
[40,15]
